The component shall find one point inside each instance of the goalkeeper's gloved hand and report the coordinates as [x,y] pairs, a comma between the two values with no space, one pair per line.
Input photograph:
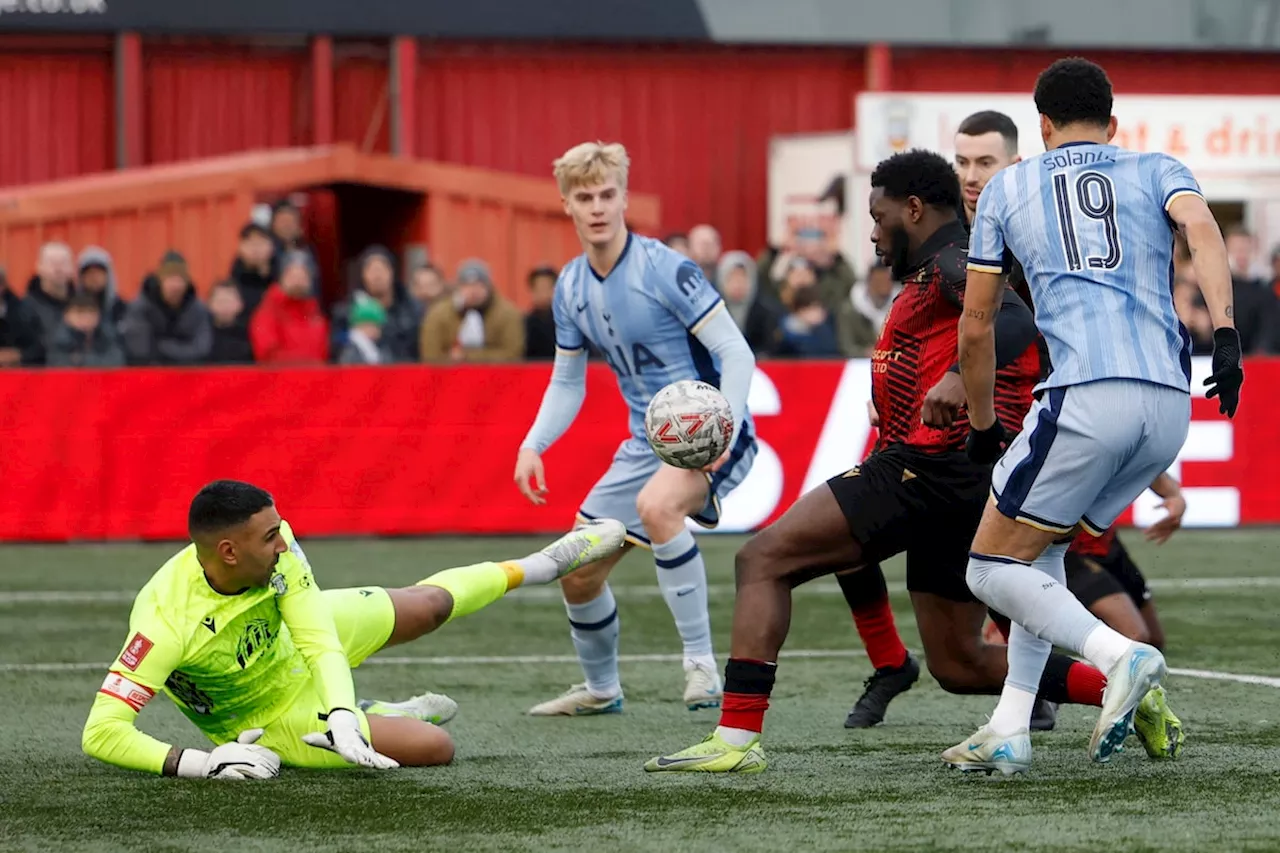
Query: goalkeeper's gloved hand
[345,738]
[985,446]
[1228,371]
[239,760]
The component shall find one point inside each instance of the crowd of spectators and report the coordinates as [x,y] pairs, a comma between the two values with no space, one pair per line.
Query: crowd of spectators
[803,300]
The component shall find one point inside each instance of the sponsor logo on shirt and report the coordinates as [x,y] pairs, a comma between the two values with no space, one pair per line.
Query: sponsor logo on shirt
[134,653]
[278,584]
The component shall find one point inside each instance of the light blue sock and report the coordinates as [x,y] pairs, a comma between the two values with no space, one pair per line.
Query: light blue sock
[1027,652]
[682,577]
[594,626]
[1033,596]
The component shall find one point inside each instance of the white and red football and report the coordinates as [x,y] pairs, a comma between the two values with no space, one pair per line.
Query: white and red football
[689,424]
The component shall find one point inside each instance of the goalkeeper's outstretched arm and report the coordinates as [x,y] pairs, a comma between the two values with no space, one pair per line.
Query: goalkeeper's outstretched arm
[152,652]
[111,736]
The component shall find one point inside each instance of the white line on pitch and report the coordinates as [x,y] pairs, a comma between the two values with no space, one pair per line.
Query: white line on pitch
[535,660]
[113,596]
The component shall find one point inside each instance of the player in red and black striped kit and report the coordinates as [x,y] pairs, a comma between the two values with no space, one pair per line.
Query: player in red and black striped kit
[918,492]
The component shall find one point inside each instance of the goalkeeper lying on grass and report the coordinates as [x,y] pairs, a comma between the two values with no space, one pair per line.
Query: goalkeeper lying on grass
[234,629]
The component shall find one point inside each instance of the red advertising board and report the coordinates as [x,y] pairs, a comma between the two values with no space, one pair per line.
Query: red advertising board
[417,450]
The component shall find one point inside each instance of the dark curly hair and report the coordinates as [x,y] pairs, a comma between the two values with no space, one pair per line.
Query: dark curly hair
[1074,91]
[923,174]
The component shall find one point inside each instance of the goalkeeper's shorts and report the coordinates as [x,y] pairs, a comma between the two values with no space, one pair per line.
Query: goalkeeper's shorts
[364,617]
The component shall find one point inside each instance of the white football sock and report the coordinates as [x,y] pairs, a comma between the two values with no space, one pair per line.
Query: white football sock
[682,577]
[594,627]
[1013,711]
[1032,598]
[1104,646]
[538,569]
[736,737]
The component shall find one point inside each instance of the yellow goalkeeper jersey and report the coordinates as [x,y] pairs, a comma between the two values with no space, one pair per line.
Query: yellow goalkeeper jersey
[229,662]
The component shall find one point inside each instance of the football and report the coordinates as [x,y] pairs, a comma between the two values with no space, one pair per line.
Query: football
[689,424]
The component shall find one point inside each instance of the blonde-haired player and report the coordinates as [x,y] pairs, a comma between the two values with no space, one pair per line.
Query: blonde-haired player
[656,319]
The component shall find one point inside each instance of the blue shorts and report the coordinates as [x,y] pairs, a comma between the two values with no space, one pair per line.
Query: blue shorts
[1087,451]
[614,495]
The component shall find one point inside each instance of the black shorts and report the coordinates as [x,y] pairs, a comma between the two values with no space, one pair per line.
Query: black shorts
[1094,578]
[928,505]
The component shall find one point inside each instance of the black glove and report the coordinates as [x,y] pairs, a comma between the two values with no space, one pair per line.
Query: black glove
[985,446]
[1228,371]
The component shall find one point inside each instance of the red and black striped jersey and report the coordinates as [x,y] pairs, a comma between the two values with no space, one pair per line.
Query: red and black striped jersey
[919,343]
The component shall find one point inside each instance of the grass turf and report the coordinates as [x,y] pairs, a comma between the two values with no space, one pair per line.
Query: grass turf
[557,784]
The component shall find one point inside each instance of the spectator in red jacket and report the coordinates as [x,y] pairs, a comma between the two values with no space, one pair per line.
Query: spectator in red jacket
[288,327]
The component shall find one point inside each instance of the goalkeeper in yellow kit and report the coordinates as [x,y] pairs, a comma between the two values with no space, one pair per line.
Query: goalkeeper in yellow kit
[234,629]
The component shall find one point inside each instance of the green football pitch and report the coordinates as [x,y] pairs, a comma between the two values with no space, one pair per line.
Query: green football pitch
[520,783]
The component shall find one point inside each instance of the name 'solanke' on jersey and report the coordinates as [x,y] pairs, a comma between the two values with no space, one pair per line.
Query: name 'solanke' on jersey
[1063,158]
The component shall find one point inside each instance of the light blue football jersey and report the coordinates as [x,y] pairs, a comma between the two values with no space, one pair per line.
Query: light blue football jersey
[642,318]
[1090,225]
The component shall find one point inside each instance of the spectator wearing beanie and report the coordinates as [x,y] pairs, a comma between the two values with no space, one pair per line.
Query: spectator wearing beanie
[364,334]
[167,324]
[376,277]
[476,324]
[289,327]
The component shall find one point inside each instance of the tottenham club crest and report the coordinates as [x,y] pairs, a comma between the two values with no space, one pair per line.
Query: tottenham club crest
[278,584]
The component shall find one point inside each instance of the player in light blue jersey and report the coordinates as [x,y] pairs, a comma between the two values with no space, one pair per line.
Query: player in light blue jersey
[656,319]
[1094,228]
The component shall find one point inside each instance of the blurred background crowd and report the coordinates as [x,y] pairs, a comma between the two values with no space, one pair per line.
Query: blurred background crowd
[803,300]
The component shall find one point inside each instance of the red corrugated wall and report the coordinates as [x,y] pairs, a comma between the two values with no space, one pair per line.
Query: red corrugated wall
[962,70]
[56,108]
[361,99]
[696,121]
[202,99]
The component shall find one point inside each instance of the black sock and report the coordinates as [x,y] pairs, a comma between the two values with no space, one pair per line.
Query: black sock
[1053,683]
[863,587]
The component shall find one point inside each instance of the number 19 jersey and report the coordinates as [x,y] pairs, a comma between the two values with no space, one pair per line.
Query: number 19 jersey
[1090,225]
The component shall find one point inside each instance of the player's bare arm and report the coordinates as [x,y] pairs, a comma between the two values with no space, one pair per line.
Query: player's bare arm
[1198,227]
[1190,213]
[982,295]
[1174,505]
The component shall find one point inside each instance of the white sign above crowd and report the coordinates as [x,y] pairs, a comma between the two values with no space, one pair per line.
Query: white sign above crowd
[1210,134]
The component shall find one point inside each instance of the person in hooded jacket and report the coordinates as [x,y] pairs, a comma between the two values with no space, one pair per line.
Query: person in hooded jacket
[477,324]
[376,276]
[167,324]
[755,313]
[96,274]
[289,327]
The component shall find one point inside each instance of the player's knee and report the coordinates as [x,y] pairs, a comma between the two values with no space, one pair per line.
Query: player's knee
[956,675]
[1137,631]
[661,518]
[757,559]
[432,747]
[580,587]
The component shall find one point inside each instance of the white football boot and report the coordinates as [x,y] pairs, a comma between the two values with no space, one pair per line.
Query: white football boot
[701,686]
[577,701]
